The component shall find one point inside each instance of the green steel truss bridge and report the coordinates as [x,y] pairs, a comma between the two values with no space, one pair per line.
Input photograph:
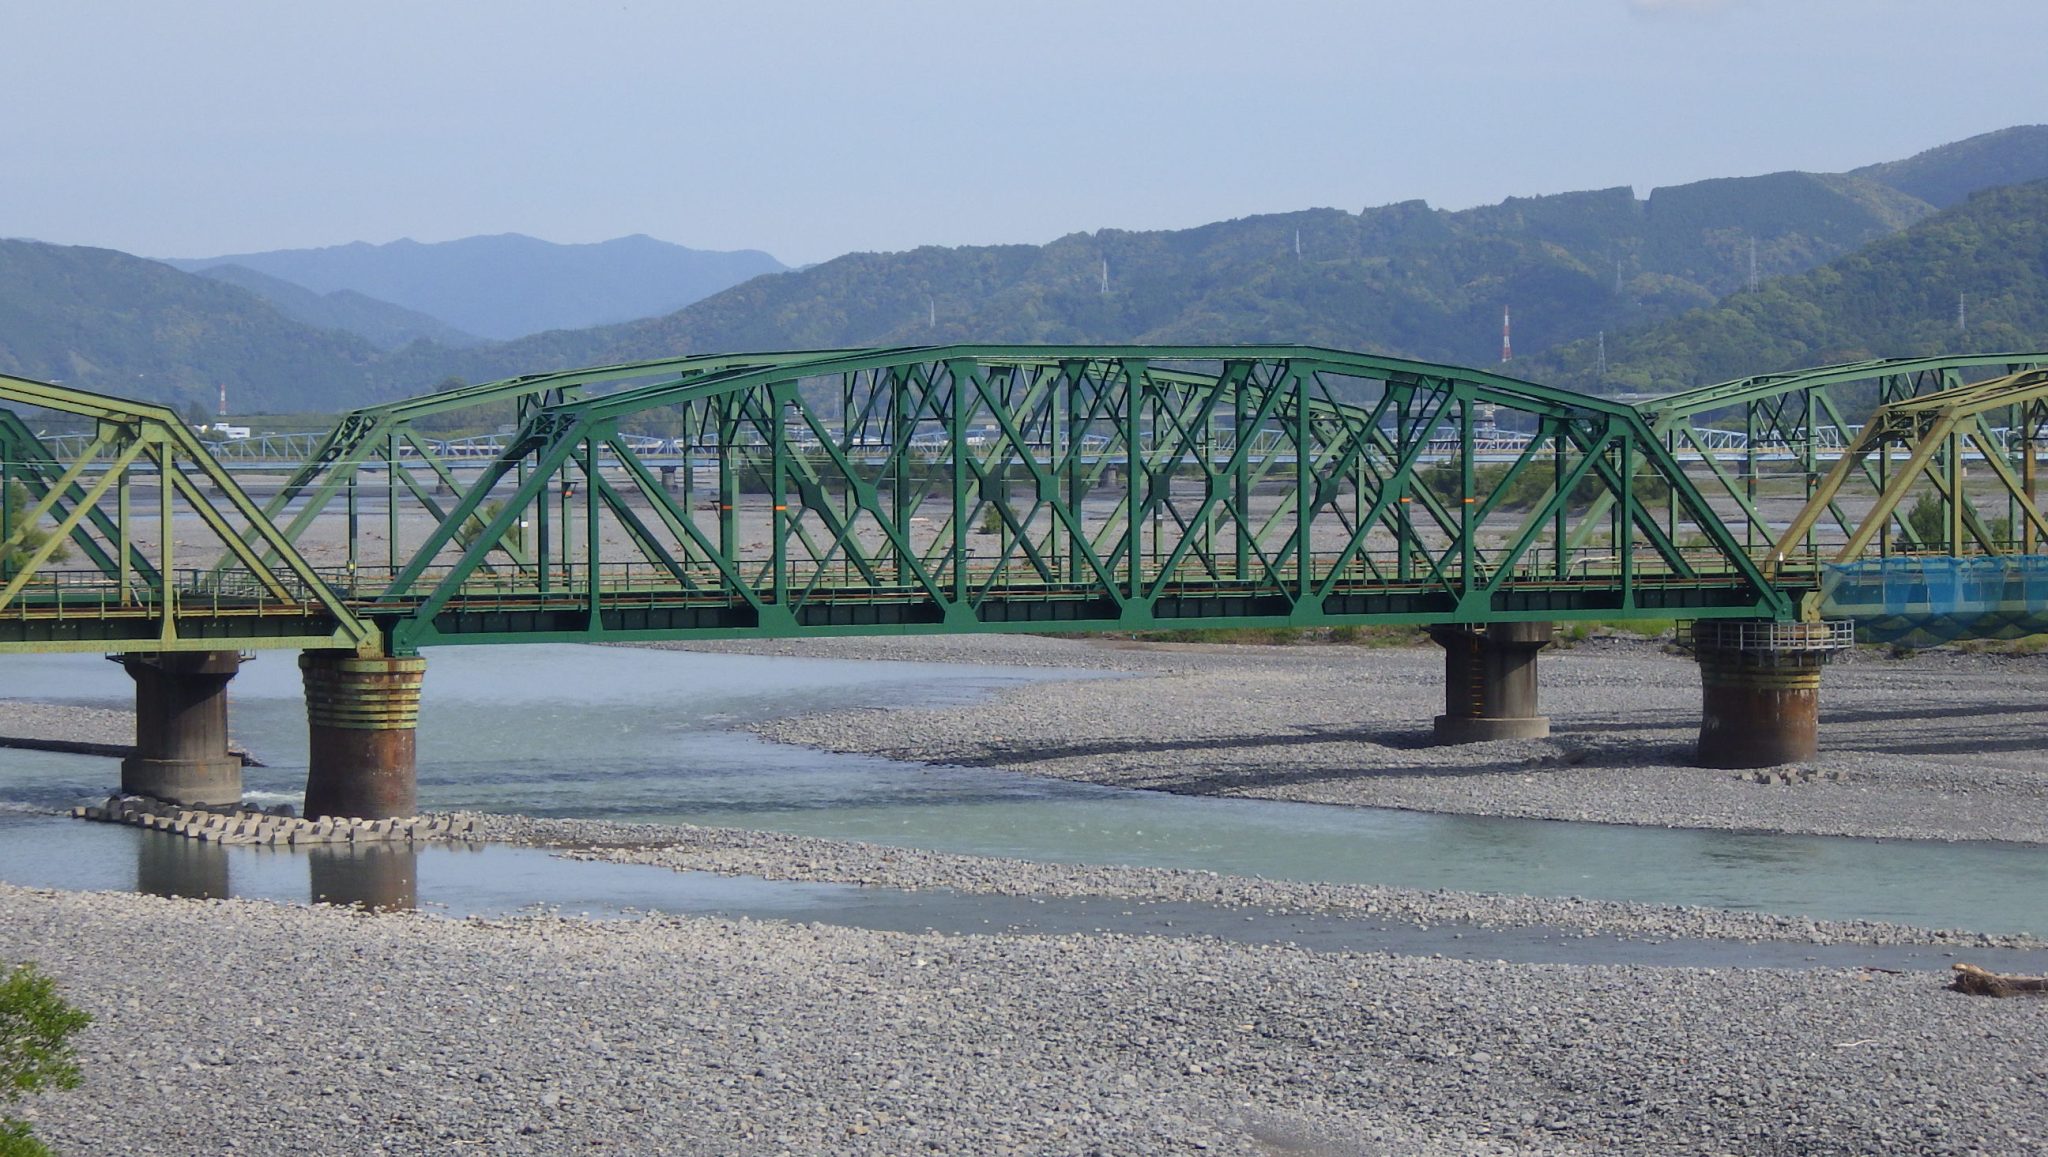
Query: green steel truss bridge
[983,488]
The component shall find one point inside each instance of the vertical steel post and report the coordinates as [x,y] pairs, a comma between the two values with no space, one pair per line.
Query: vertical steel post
[566,495]
[2027,469]
[1625,519]
[1561,513]
[1468,481]
[778,492]
[1134,514]
[1304,488]
[1749,470]
[1955,494]
[542,542]
[1241,485]
[121,516]
[354,518]
[956,442]
[391,502]
[899,417]
[728,479]
[165,561]
[591,529]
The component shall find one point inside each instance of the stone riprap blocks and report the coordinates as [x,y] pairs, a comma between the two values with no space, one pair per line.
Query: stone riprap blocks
[242,824]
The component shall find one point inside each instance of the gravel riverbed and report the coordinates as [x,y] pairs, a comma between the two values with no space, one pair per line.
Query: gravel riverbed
[1940,745]
[262,1028]
[783,856]
[257,1027]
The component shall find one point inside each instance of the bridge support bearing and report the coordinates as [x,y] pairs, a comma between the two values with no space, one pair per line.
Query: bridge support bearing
[181,728]
[1490,682]
[361,716]
[1760,689]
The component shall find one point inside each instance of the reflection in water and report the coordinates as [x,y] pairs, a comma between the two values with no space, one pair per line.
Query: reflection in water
[380,877]
[168,865]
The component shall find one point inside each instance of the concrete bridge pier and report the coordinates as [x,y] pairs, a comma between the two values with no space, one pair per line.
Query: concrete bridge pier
[1490,682]
[1760,689]
[181,727]
[361,713]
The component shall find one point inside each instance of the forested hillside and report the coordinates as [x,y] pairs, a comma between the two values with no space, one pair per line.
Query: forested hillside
[1664,278]
[1896,297]
[108,322]
[1403,278]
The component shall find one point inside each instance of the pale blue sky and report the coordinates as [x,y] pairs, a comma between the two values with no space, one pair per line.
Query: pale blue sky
[808,129]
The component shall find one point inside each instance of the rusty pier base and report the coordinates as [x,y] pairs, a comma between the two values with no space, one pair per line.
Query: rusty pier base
[181,727]
[1490,682]
[1760,689]
[362,714]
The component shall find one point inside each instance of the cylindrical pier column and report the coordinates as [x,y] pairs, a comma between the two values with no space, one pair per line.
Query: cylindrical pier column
[181,728]
[1760,689]
[1490,682]
[361,715]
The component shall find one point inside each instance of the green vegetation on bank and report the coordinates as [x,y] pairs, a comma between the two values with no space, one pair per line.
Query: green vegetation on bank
[35,1051]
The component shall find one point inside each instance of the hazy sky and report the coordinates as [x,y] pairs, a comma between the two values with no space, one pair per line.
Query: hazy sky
[196,127]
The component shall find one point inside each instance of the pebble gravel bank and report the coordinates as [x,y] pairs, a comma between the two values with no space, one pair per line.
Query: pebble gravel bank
[268,1029]
[1940,745]
[780,856]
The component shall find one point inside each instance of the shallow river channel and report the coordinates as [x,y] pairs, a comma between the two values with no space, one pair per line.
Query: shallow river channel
[655,736]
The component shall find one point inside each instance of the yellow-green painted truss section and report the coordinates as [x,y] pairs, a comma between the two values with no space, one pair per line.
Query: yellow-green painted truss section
[93,557]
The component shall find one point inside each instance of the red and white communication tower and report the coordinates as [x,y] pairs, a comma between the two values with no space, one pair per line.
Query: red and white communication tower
[224,397]
[1507,349]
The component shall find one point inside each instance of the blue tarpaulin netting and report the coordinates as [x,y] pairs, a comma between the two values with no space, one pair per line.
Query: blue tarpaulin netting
[1920,601]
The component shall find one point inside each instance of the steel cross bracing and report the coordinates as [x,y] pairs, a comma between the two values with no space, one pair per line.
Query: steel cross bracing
[1785,430]
[1937,434]
[383,441]
[970,488]
[965,488]
[127,592]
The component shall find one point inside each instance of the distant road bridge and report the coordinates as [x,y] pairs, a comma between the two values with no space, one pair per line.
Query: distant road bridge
[961,489]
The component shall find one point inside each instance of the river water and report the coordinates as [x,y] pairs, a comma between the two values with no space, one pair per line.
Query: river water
[654,736]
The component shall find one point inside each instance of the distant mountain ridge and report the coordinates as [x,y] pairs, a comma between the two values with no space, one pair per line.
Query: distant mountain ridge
[509,285]
[1896,297]
[1403,279]
[1946,174]
[383,324]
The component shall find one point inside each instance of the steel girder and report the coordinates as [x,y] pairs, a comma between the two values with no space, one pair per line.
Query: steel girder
[964,488]
[130,601]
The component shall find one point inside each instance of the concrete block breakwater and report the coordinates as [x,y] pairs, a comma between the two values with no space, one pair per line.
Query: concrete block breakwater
[243,824]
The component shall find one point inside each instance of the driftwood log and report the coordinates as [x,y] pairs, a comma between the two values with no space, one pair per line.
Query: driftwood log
[1978,982]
